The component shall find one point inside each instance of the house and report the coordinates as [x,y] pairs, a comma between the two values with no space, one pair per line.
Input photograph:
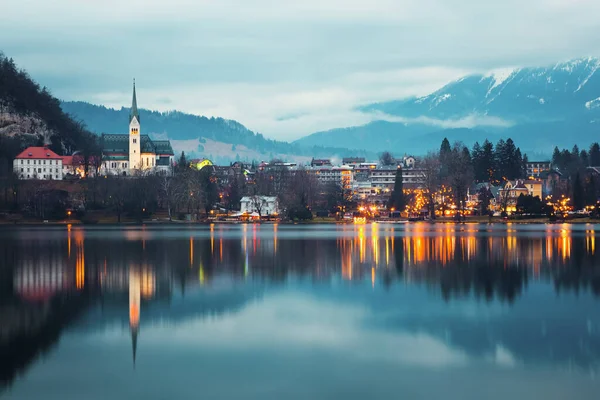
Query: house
[536,168]
[262,205]
[320,163]
[534,187]
[353,160]
[38,163]
[127,153]
[509,194]
[552,182]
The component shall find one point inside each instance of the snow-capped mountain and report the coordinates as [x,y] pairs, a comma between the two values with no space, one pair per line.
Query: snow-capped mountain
[521,94]
[539,107]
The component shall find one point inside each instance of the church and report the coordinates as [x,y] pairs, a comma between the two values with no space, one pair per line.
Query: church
[128,154]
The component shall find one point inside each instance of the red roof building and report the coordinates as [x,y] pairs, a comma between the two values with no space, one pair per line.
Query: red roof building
[38,163]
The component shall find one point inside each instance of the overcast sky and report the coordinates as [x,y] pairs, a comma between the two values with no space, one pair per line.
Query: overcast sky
[284,68]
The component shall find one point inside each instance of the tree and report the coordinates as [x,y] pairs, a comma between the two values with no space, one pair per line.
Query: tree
[460,173]
[556,157]
[591,191]
[182,164]
[234,192]
[258,204]
[386,158]
[484,197]
[430,179]
[528,204]
[332,196]
[167,192]
[397,199]
[578,193]
[594,155]
[444,157]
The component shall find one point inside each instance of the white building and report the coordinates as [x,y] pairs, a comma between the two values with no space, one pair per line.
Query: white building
[38,163]
[262,205]
[127,153]
[342,176]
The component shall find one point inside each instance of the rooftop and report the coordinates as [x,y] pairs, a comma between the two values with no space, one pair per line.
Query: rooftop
[37,153]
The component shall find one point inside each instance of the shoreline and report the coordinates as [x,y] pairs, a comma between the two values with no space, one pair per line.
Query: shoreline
[486,221]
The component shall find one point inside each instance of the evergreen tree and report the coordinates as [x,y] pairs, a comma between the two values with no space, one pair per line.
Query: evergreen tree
[487,160]
[477,158]
[578,193]
[584,159]
[445,156]
[591,192]
[594,155]
[397,199]
[524,162]
[556,158]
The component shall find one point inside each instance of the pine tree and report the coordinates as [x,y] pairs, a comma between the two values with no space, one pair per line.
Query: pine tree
[487,160]
[594,155]
[397,199]
[591,193]
[578,193]
[556,158]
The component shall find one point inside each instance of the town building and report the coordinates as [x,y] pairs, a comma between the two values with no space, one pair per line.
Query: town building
[342,176]
[38,163]
[128,153]
[535,168]
[264,206]
[320,163]
[353,161]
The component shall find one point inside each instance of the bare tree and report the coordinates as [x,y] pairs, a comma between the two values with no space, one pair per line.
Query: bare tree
[167,192]
[430,178]
[258,204]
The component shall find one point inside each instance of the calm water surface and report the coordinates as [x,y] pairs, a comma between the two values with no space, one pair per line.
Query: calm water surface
[300,312]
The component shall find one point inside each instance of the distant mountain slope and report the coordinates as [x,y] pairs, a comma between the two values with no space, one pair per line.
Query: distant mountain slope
[217,138]
[538,107]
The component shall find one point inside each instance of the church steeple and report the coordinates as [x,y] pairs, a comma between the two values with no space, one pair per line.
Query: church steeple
[134,109]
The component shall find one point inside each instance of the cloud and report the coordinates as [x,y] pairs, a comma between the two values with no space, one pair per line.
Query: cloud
[283,68]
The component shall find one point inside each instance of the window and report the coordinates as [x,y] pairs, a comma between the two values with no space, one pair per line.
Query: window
[21,162]
[134,141]
[28,169]
[39,170]
[27,161]
[44,169]
[21,169]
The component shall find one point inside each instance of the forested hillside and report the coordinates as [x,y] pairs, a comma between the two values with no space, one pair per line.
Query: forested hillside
[216,138]
[30,115]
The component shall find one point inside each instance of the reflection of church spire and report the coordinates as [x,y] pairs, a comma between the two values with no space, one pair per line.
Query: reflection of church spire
[134,335]
[134,307]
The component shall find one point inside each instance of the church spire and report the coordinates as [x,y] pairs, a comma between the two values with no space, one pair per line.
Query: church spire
[134,109]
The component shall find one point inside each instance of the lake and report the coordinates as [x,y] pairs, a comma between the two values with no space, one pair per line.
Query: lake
[300,312]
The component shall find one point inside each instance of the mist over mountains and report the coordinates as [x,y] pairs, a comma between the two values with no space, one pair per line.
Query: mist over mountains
[539,107]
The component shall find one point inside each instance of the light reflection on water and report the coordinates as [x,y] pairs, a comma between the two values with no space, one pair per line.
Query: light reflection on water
[300,311]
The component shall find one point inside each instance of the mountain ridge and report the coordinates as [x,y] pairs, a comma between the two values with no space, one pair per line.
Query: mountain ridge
[539,107]
[219,139]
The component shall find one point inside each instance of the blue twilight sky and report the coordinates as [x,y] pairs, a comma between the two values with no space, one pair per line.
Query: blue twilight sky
[283,68]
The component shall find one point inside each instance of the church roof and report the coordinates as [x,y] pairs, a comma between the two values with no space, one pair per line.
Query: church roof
[146,144]
[118,143]
[134,110]
[163,147]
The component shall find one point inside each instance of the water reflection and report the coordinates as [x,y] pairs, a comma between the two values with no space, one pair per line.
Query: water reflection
[52,279]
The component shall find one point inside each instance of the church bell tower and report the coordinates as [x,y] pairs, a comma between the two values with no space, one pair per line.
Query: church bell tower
[134,135]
